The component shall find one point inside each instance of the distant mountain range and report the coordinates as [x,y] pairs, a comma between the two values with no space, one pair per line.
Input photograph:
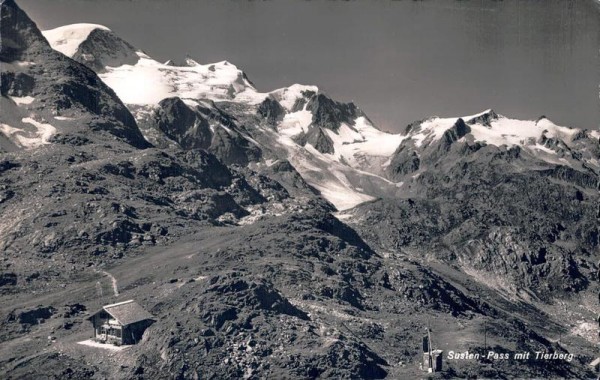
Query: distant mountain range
[334,146]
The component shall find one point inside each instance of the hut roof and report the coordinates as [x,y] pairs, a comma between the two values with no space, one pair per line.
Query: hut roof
[127,312]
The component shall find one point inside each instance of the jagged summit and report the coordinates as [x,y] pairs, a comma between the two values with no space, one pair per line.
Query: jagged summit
[484,118]
[191,62]
[188,61]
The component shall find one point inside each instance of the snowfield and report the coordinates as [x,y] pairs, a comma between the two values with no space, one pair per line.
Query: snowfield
[295,123]
[360,144]
[149,82]
[505,131]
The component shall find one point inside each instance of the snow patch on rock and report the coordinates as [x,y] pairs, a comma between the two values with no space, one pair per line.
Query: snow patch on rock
[26,137]
[22,100]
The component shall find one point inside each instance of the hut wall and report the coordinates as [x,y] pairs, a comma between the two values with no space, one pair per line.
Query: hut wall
[133,333]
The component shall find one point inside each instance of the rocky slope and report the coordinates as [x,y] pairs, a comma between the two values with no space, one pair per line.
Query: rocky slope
[518,208]
[211,205]
[46,95]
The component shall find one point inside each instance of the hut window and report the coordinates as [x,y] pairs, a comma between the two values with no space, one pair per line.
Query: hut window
[113,331]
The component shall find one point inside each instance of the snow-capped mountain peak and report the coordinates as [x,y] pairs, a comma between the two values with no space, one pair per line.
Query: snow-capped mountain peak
[96,46]
[191,62]
[140,80]
[66,39]
[288,96]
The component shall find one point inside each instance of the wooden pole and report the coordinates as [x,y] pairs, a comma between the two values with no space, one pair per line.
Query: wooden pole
[429,346]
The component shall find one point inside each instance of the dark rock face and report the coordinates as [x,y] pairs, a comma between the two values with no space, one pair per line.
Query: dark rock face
[253,295]
[317,137]
[404,161]
[17,84]
[33,316]
[285,173]
[330,114]
[8,279]
[79,88]
[458,130]
[327,114]
[203,127]
[233,148]
[440,148]
[484,119]
[73,310]
[213,204]
[162,188]
[181,124]
[585,179]
[302,101]
[265,185]
[333,226]
[271,111]
[412,126]
[103,48]
[408,158]
[19,33]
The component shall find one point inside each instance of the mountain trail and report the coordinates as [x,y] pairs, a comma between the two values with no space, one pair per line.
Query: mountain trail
[115,284]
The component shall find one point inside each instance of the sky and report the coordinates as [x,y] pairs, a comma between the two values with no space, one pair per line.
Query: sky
[399,61]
